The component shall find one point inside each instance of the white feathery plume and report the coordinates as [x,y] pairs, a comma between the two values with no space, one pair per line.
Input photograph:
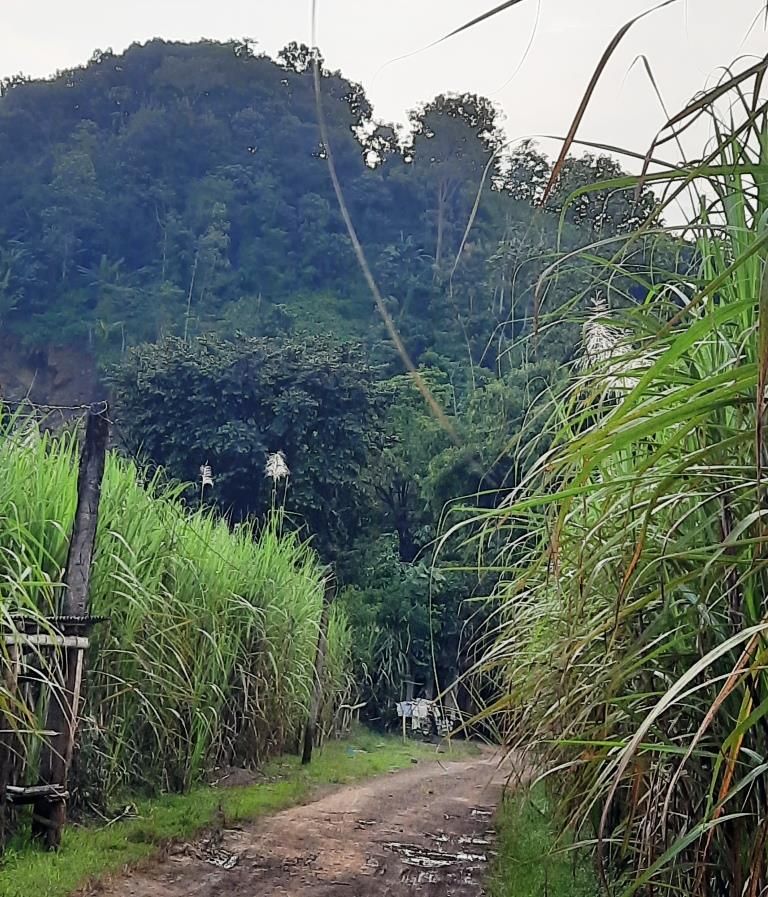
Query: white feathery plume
[601,344]
[276,467]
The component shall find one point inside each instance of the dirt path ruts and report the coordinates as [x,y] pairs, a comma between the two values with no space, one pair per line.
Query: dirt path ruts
[425,831]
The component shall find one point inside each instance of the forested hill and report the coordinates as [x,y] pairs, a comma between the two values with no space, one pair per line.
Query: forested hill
[182,188]
[177,199]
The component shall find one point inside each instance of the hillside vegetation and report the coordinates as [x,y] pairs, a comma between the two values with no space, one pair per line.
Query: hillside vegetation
[584,449]
[182,188]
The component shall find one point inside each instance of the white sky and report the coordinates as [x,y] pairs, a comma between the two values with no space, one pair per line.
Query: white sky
[538,92]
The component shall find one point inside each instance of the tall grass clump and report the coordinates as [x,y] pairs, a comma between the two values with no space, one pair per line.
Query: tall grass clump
[206,656]
[631,630]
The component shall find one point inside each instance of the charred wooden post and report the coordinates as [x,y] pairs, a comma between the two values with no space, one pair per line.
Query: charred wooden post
[317,685]
[50,807]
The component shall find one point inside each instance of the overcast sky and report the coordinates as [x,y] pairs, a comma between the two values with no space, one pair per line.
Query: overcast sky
[534,59]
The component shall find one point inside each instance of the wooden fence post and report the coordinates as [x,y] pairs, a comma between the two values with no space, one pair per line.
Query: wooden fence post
[9,740]
[50,809]
[317,686]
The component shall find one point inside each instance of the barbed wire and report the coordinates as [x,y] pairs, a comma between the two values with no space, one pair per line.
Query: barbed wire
[20,404]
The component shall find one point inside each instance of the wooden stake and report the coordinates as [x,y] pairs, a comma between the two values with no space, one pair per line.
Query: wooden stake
[317,690]
[77,575]
[9,739]
[50,813]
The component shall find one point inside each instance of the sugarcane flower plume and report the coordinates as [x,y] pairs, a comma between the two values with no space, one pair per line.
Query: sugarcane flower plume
[600,342]
[276,467]
[606,349]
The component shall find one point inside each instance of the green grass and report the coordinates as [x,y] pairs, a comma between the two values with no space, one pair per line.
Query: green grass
[529,861]
[89,852]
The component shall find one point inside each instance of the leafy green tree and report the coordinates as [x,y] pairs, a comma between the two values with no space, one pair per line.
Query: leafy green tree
[602,213]
[526,171]
[454,138]
[399,473]
[408,602]
[13,279]
[230,404]
[297,57]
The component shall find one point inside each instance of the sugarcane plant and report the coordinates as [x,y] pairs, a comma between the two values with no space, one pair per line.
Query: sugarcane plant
[630,621]
[205,654]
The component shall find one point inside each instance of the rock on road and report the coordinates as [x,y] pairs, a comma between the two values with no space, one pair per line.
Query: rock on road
[426,831]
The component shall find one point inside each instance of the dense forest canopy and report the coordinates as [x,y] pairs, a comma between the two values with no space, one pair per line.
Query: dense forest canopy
[176,189]
[170,210]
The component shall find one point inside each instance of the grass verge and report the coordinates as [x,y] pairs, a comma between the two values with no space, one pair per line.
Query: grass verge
[529,863]
[89,852]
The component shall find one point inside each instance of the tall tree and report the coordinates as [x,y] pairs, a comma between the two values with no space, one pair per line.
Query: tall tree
[231,404]
[454,138]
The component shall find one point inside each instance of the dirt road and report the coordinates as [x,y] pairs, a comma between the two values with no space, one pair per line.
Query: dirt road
[423,831]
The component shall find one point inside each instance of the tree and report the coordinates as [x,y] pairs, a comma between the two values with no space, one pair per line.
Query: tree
[15,275]
[407,601]
[526,171]
[454,138]
[602,212]
[244,48]
[399,473]
[232,403]
[298,57]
